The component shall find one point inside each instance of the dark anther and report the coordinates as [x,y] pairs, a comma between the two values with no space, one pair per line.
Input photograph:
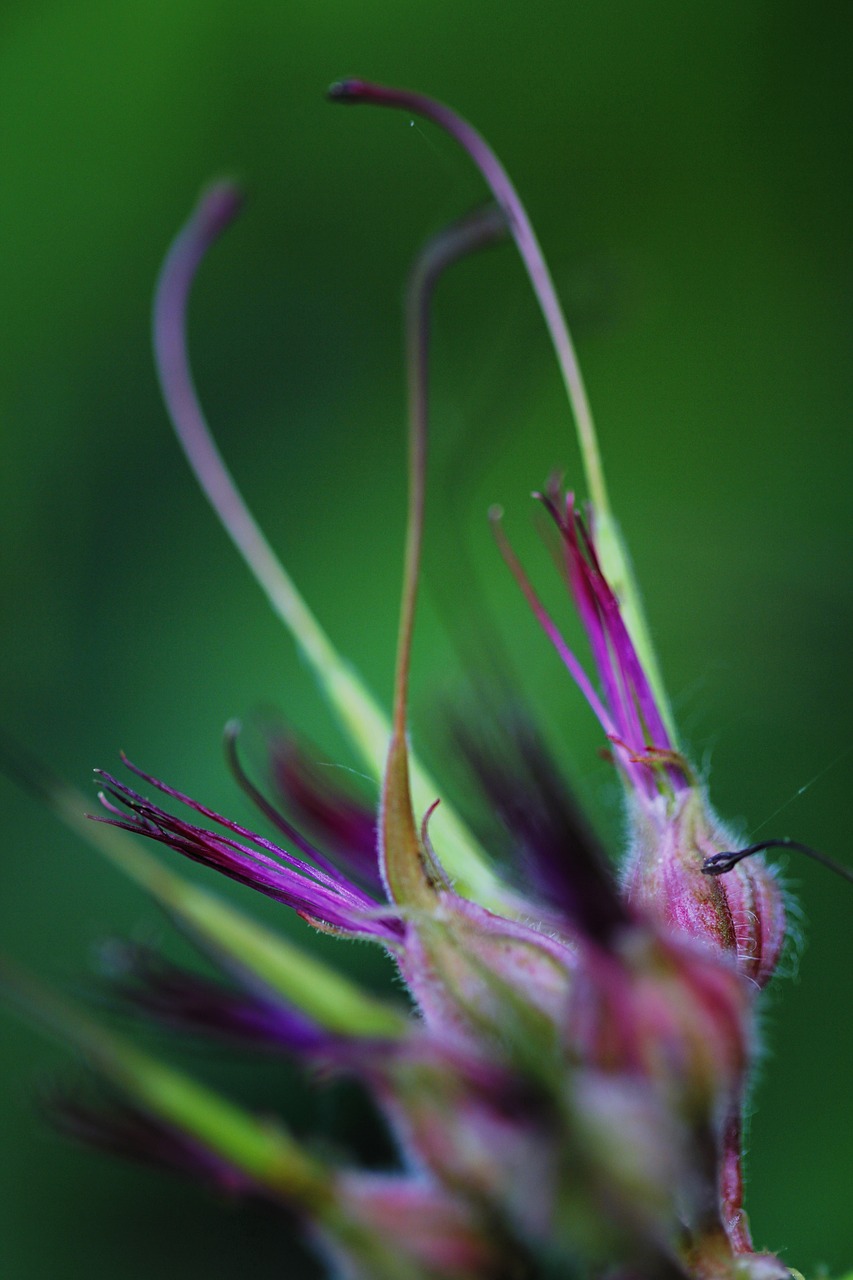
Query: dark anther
[719,863]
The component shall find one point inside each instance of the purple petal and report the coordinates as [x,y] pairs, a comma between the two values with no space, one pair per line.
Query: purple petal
[331,901]
[115,1126]
[344,824]
[185,1001]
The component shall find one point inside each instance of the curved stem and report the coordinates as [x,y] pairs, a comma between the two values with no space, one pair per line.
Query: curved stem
[404,867]
[612,551]
[360,715]
[477,230]
[504,192]
[216,209]
[719,863]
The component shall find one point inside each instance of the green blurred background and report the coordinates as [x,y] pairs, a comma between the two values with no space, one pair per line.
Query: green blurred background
[687,167]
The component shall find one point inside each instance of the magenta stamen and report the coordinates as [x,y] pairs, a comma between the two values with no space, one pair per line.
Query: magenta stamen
[547,623]
[643,714]
[587,604]
[329,899]
[628,696]
[600,618]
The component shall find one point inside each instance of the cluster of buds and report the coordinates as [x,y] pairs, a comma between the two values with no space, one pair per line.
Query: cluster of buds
[566,1087]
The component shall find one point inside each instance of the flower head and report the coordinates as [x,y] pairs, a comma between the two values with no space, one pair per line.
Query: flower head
[566,1086]
[674,832]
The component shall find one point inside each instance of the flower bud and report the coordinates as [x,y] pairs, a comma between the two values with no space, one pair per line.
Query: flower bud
[409,1228]
[741,914]
[661,1009]
[476,975]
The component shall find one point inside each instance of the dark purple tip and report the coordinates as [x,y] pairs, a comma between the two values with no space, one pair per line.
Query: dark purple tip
[114,1125]
[218,205]
[349,90]
[184,1001]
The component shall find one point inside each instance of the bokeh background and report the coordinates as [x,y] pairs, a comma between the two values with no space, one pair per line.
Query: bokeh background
[687,166]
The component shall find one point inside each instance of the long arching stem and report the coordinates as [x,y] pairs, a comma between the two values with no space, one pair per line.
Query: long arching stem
[477,230]
[359,713]
[216,209]
[611,549]
[525,238]
[403,863]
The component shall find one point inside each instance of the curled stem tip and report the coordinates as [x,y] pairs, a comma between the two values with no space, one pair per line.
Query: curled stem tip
[720,863]
[218,205]
[476,230]
[353,91]
[360,716]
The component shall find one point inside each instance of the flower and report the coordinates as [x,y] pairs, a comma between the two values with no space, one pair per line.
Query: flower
[674,832]
[566,1086]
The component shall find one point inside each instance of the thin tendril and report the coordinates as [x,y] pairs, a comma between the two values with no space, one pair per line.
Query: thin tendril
[504,192]
[403,862]
[358,712]
[613,554]
[259,800]
[216,209]
[477,230]
[719,863]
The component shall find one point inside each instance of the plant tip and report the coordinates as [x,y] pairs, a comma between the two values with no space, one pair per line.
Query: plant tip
[219,204]
[347,90]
